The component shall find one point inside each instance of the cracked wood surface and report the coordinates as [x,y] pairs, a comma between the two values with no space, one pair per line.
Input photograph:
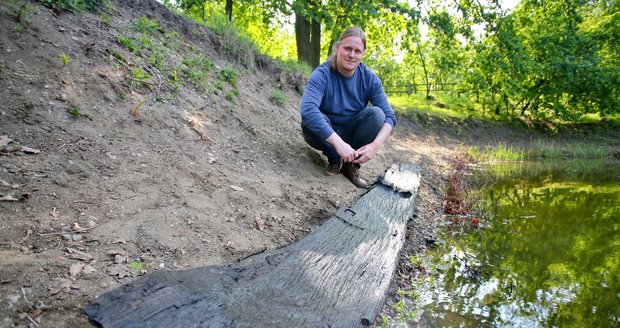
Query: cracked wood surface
[337,276]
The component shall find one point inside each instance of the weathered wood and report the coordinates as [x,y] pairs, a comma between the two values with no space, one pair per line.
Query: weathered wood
[337,276]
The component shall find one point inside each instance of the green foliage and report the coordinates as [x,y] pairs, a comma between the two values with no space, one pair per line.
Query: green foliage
[77,5]
[22,15]
[138,77]
[236,45]
[499,152]
[294,66]
[198,62]
[197,69]
[73,109]
[278,97]
[228,74]
[118,55]
[64,59]
[230,95]
[135,265]
[554,61]
[122,96]
[106,20]
[146,26]
[172,39]
[128,43]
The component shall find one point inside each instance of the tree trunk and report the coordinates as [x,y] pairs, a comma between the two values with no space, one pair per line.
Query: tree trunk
[308,40]
[315,44]
[423,61]
[337,276]
[229,10]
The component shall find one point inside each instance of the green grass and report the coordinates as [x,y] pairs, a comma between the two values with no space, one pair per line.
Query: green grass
[230,95]
[106,20]
[145,25]
[277,97]
[228,74]
[442,106]
[128,43]
[293,66]
[77,5]
[139,77]
[539,150]
[235,44]
[447,105]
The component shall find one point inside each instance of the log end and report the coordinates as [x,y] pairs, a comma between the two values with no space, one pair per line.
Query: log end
[402,177]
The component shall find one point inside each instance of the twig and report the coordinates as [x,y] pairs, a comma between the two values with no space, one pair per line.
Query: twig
[32,320]
[24,296]
[28,233]
[62,233]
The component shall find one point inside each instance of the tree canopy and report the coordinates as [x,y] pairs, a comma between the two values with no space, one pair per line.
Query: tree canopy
[542,59]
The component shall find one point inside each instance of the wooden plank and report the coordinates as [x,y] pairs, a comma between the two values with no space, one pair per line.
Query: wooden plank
[337,276]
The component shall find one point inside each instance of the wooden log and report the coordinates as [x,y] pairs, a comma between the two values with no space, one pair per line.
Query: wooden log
[337,276]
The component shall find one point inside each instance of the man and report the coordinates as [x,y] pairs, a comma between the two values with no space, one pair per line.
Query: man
[335,112]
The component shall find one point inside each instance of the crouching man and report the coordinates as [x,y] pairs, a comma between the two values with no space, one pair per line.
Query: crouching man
[344,110]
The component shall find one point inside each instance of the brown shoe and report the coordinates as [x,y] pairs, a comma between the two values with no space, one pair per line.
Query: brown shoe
[351,172]
[333,168]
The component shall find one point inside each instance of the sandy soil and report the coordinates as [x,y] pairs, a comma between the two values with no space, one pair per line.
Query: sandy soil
[136,184]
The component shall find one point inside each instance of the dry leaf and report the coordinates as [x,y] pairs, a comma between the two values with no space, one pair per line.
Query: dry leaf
[77,228]
[75,270]
[260,223]
[115,252]
[73,253]
[88,269]
[52,291]
[67,284]
[136,110]
[118,270]
[197,122]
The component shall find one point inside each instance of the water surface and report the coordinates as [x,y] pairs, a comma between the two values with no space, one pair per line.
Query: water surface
[542,249]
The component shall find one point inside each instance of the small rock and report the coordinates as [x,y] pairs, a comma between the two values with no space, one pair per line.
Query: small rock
[119,259]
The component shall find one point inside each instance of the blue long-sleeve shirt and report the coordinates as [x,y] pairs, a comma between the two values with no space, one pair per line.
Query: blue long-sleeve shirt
[337,97]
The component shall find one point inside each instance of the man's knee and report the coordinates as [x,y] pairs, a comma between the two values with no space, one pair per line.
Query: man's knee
[374,118]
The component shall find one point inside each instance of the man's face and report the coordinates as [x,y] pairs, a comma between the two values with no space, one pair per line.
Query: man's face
[349,53]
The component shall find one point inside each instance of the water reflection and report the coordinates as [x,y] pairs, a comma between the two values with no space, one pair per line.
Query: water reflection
[549,255]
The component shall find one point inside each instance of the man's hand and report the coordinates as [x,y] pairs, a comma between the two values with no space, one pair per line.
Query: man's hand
[346,152]
[366,153]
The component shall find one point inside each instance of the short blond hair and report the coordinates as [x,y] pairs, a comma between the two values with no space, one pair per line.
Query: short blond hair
[350,31]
